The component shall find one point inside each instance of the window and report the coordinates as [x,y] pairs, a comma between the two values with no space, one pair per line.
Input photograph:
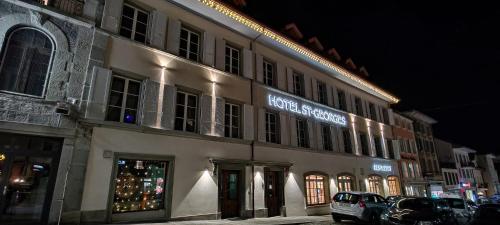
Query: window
[411,172]
[404,168]
[364,144]
[322,96]
[140,185]
[327,137]
[185,112]
[346,137]
[373,114]
[189,46]
[123,100]
[134,23]
[417,170]
[378,147]
[26,60]
[317,189]
[346,183]
[232,120]
[272,127]
[269,74]
[358,106]
[302,137]
[298,84]
[342,100]
[393,183]
[375,185]
[390,148]
[232,60]
[385,112]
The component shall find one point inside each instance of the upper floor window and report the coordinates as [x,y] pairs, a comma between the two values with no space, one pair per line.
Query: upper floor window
[322,96]
[123,100]
[134,24]
[346,137]
[390,148]
[302,136]
[232,60]
[26,61]
[342,100]
[363,138]
[269,74]
[373,114]
[316,189]
[378,147]
[186,109]
[298,84]
[232,120]
[272,127]
[358,106]
[327,137]
[189,46]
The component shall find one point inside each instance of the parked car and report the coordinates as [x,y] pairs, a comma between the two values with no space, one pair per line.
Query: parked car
[358,206]
[393,198]
[461,209]
[487,214]
[418,211]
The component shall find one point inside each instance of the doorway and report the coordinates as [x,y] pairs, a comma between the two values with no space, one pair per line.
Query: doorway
[273,182]
[28,169]
[230,193]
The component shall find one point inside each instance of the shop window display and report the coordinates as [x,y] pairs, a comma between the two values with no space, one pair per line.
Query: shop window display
[140,185]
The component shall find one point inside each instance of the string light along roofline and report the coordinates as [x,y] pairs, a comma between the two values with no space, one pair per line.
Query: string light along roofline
[293,45]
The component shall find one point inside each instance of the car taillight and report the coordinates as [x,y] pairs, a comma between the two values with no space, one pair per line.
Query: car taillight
[362,204]
[333,199]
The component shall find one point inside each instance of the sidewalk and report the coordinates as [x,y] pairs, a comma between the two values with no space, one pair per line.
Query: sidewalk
[309,220]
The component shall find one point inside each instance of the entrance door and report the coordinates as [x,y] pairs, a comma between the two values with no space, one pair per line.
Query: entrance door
[27,178]
[273,191]
[230,191]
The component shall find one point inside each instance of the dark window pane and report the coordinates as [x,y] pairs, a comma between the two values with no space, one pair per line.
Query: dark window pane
[178,124]
[142,17]
[190,125]
[140,37]
[128,11]
[132,101]
[115,99]
[179,111]
[191,100]
[118,84]
[113,114]
[134,87]
[180,98]
[191,113]
[125,33]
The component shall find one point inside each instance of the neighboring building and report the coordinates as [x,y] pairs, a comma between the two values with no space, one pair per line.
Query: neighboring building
[448,166]
[471,180]
[427,156]
[412,181]
[490,174]
[117,111]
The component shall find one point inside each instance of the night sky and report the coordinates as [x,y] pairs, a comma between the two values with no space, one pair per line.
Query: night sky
[439,59]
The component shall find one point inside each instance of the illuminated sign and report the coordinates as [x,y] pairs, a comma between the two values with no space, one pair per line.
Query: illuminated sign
[382,168]
[307,110]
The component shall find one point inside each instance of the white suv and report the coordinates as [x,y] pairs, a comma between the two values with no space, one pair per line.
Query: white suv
[358,206]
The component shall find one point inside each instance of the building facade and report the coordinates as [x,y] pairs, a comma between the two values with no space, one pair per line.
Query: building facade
[412,182]
[490,174]
[470,176]
[448,166]
[175,110]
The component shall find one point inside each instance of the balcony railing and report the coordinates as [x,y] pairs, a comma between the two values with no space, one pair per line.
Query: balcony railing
[73,7]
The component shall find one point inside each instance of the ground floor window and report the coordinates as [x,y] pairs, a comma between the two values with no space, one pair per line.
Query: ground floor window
[394,188]
[139,185]
[375,185]
[346,183]
[317,189]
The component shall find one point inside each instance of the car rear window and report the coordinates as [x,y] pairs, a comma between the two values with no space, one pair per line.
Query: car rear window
[416,204]
[346,198]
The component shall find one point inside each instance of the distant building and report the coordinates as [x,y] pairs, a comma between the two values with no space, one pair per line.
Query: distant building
[490,174]
[471,180]
[449,169]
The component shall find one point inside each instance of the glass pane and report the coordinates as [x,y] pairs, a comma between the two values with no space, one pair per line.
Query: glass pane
[183,52]
[194,38]
[129,116]
[128,11]
[139,37]
[134,87]
[184,34]
[113,114]
[126,33]
[179,124]
[26,190]
[179,111]
[115,99]
[132,101]
[191,113]
[118,84]
[180,98]
[140,185]
[142,17]
[192,100]
[236,110]
[190,125]
[233,186]
[141,28]
[127,23]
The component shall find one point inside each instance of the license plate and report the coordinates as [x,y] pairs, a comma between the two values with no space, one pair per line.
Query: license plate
[344,204]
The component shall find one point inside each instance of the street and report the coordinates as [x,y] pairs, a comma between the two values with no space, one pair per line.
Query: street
[295,220]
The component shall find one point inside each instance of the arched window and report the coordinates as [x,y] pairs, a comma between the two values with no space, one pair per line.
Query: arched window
[375,184]
[27,55]
[317,191]
[346,182]
[394,188]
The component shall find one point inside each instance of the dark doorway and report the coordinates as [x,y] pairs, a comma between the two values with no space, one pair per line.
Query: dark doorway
[28,169]
[273,191]
[230,193]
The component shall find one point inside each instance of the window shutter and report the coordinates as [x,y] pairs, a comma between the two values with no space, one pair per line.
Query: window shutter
[248,124]
[150,103]
[262,125]
[173,36]
[111,17]
[293,131]
[168,110]
[220,53]
[208,49]
[314,89]
[307,86]
[206,115]
[220,105]
[158,29]
[284,136]
[289,75]
[310,132]
[99,91]
[281,76]
[247,63]
[259,67]
[319,136]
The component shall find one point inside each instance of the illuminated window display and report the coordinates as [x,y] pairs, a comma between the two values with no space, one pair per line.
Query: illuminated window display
[345,183]
[140,185]
[393,183]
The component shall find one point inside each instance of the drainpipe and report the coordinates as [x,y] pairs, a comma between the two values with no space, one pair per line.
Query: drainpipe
[252,145]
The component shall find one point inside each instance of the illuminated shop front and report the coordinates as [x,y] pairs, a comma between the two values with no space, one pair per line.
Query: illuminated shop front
[375,184]
[346,182]
[394,187]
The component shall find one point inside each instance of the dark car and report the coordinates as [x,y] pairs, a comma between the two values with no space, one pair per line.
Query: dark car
[418,211]
[486,214]
[393,198]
